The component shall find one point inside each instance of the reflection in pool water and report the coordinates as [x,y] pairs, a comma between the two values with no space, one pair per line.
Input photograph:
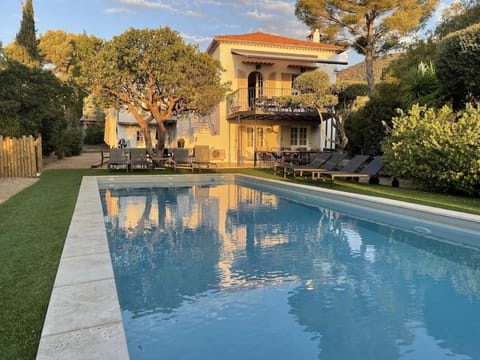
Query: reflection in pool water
[233,272]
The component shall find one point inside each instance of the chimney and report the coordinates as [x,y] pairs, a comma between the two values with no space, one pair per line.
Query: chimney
[316,36]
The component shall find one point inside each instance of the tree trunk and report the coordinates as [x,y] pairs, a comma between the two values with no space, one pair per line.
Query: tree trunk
[161,135]
[369,69]
[146,136]
[341,139]
[369,50]
[143,126]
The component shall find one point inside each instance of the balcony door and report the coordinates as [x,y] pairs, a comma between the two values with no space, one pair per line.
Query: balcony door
[255,87]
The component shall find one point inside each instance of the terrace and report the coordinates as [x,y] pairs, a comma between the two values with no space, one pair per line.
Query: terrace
[265,103]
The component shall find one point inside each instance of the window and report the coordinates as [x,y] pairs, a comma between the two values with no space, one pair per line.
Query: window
[298,136]
[259,138]
[249,136]
[294,136]
[140,138]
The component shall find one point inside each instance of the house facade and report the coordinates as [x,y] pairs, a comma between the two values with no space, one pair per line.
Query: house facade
[261,69]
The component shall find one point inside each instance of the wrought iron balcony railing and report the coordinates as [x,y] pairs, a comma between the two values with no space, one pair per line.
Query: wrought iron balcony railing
[267,100]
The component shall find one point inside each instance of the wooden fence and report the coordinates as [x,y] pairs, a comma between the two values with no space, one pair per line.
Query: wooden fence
[20,157]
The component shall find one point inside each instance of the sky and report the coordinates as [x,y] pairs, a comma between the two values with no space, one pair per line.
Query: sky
[197,21]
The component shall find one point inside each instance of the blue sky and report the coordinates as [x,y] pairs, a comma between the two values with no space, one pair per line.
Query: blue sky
[196,20]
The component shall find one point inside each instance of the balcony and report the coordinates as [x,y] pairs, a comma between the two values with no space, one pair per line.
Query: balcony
[267,103]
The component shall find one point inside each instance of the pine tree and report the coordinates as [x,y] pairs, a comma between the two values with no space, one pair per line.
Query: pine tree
[26,36]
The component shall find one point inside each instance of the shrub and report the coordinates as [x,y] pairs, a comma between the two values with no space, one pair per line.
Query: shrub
[365,128]
[72,141]
[94,135]
[437,148]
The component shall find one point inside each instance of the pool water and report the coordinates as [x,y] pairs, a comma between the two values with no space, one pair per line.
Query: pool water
[234,272]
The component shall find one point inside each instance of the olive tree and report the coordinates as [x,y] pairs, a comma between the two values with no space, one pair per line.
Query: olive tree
[154,75]
[333,100]
[315,91]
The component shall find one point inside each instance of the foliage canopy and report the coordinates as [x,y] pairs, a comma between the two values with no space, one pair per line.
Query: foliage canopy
[25,47]
[33,101]
[457,62]
[154,75]
[370,26]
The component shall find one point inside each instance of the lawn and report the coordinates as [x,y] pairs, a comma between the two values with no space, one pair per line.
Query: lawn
[34,224]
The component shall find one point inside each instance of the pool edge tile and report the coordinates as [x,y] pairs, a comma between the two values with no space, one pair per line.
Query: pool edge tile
[101,342]
[83,319]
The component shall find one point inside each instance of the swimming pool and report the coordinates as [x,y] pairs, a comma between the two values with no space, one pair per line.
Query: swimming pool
[241,268]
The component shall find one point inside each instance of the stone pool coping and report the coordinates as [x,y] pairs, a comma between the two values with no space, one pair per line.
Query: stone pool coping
[84,320]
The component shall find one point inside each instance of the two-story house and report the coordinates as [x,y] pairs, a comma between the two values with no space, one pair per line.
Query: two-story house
[261,69]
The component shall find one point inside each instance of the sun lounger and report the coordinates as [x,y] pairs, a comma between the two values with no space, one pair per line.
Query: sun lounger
[330,161]
[350,169]
[182,159]
[138,159]
[118,159]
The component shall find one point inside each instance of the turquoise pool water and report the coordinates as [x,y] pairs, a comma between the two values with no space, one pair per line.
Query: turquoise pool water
[234,272]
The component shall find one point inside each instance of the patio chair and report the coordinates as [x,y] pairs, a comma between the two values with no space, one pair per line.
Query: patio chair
[139,159]
[181,159]
[350,169]
[118,159]
[201,157]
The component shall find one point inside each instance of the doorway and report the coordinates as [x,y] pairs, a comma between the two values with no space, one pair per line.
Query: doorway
[255,88]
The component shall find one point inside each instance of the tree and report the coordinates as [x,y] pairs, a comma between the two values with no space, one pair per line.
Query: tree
[155,75]
[315,91]
[457,62]
[57,48]
[333,100]
[25,47]
[33,101]
[365,126]
[375,25]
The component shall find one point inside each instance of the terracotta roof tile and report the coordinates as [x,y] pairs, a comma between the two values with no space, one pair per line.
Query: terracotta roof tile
[264,38]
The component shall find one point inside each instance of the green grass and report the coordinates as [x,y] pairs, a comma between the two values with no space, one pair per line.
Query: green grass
[34,224]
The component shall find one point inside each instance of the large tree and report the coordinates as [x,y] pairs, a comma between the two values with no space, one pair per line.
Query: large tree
[370,26]
[334,101]
[57,48]
[155,75]
[25,47]
[33,101]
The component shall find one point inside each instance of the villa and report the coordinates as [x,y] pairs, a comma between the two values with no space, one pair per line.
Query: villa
[260,67]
